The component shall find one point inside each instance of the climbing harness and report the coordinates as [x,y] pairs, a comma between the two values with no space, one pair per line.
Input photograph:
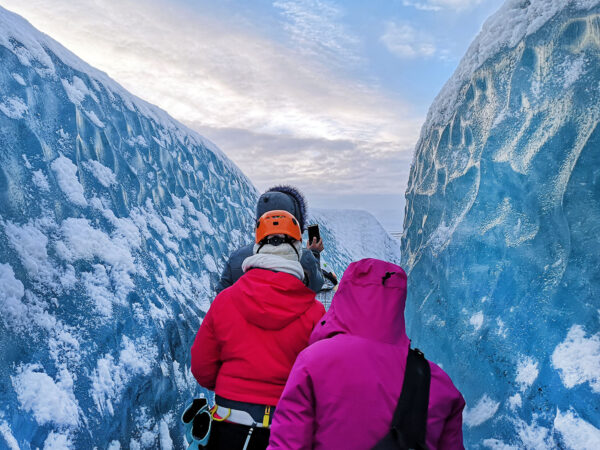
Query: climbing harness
[220,414]
[198,417]
[248,437]
[240,417]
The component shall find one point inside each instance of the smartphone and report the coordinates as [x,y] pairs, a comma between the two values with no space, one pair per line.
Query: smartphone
[313,232]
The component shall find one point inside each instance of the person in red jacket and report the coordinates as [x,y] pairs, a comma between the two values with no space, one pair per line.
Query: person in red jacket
[252,333]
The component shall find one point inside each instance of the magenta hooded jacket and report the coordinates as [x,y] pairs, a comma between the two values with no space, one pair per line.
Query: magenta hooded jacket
[344,387]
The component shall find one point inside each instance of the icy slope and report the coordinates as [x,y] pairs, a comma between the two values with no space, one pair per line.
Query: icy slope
[114,220]
[502,224]
[349,235]
[353,235]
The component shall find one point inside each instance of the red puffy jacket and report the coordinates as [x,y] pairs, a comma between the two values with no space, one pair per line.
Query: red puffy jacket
[251,335]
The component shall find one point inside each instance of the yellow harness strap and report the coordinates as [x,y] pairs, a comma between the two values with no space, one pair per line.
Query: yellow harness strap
[213,412]
[266,416]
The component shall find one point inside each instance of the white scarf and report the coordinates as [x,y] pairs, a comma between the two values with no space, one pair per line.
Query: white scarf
[280,258]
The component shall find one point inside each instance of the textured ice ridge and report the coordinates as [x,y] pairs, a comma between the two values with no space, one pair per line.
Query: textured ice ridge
[513,22]
[501,226]
[114,223]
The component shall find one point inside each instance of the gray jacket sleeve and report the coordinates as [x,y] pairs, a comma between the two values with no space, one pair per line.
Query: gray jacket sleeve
[311,264]
[233,267]
[226,278]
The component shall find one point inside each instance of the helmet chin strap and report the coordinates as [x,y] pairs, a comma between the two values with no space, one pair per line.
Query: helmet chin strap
[294,247]
[276,241]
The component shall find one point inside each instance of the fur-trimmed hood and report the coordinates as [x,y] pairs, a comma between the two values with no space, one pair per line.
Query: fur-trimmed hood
[293,202]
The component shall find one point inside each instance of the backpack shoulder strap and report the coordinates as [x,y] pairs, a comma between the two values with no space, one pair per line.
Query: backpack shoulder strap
[409,424]
[410,416]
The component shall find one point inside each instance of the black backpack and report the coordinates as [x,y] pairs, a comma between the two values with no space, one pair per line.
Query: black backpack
[410,417]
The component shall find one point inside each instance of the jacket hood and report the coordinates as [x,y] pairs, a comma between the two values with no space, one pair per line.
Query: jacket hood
[283,197]
[369,303]
[271,300]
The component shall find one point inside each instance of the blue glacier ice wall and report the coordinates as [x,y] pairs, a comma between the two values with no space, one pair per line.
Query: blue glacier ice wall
[501,234]
[114,223]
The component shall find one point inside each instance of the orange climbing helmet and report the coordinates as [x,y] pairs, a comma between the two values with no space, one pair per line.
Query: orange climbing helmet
[277,222]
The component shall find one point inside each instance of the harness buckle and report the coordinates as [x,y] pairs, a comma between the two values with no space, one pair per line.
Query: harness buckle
[216,417]
[266,416]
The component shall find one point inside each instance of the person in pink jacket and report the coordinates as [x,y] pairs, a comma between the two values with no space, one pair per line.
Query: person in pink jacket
[344,387]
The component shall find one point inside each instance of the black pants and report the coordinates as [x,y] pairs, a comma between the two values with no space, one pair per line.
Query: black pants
[232,436]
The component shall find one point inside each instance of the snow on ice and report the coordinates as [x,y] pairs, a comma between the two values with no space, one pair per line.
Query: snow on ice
[578,359]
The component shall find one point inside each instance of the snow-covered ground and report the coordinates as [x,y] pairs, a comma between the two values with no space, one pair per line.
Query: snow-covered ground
[358,234]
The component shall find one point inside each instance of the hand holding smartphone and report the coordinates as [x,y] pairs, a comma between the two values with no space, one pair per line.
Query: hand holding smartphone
[314,239]
[313,232]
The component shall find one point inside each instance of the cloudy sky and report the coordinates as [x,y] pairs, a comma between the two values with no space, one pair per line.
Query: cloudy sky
[328,95]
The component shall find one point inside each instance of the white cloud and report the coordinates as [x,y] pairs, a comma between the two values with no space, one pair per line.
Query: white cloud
[186,64]
[317,29]
[228,74]
[438,5]
[404,41]
[318,166]
[257,98]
